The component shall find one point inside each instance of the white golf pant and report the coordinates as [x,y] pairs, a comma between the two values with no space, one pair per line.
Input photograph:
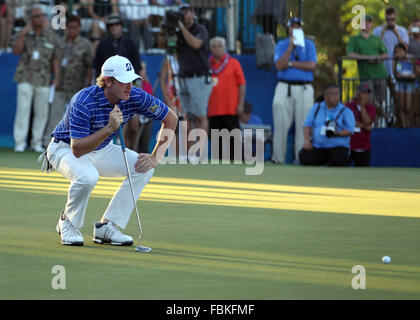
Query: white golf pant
[285,109]
[84,173]
[26,93]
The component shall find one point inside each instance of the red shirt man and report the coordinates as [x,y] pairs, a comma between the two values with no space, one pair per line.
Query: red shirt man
[364,113]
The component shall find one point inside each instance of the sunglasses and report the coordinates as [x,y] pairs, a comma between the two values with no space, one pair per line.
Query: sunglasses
[392,19]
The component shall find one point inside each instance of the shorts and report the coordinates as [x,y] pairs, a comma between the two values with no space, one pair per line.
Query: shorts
[405,86]
[194,95]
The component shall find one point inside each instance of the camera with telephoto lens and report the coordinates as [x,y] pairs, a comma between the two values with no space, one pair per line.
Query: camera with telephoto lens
[330,127]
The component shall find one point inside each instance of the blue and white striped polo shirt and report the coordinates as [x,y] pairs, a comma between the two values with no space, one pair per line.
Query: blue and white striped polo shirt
[89,110]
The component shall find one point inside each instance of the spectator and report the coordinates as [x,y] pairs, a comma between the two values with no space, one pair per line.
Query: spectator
[38,49]
[81,9]
[369,50]
[166,2]
[118,44]
[99,10]
[247,117]
[391,34]
[195,80]
[294,94]
[6,24]
[75,72]
[403,66]
[364,114]
[145,123]
[137,14]
[226,101]
[327,130]
[414,49]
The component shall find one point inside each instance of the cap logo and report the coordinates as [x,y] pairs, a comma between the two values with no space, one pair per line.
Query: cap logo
[128,67]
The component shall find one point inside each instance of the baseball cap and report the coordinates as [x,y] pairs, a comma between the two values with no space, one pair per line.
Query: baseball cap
[113,18]
[368,17]
[185,6]
[293,20]
[363,87]
[120,68]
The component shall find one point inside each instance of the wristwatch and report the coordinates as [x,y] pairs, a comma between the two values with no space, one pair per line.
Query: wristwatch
[290,64]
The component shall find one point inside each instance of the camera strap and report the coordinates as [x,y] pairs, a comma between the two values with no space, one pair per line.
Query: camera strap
[336,118]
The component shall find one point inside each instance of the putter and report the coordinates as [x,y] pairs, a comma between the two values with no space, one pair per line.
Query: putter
[139,248]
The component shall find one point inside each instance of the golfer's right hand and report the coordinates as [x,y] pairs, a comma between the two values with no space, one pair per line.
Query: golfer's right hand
[115,119]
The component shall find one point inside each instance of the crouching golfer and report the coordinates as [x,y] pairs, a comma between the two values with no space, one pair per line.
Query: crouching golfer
[81,150]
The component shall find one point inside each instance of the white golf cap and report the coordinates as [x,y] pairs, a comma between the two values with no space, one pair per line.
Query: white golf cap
[119,68]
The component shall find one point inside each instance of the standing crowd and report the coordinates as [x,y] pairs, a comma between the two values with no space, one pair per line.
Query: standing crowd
[206,86]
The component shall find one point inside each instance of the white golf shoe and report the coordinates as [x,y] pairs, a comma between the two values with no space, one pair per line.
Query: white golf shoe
[70,235]
[109,233]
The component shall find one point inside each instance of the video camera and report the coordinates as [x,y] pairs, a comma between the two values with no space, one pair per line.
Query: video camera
[170,27]
[170,23]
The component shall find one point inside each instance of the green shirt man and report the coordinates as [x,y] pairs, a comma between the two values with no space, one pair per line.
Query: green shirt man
[368,50]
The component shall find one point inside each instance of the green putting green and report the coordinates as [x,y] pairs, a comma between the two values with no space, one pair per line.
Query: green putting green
[290,233]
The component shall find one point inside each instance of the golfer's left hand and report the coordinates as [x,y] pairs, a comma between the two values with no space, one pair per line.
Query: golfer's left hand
[145,162]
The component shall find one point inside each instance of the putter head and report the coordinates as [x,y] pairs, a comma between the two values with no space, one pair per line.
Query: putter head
[143,249]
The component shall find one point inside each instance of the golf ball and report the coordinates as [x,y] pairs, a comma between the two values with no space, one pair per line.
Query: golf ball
[386,259]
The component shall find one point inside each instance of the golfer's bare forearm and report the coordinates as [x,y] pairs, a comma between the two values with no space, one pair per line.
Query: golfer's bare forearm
[88,144]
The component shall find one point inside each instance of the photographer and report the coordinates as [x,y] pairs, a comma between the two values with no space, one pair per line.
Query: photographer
[327,130]
[194,74]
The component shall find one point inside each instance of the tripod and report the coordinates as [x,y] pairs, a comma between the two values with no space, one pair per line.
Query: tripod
[170,84]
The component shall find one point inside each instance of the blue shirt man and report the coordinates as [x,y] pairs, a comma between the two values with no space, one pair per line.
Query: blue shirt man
[295,59]
[327,130]
[298,54]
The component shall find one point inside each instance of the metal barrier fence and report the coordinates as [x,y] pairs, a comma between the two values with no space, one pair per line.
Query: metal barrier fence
[397,99]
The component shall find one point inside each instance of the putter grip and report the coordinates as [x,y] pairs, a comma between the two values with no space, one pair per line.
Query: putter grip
[121,139]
